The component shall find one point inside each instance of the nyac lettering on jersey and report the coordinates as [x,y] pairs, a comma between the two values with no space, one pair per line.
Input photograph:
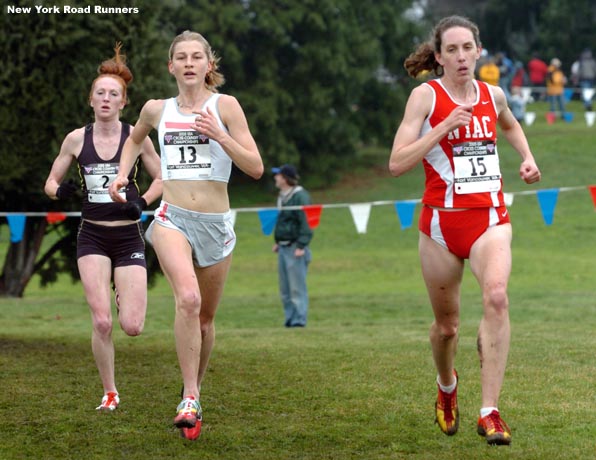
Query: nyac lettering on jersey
[471,180]
[479,128]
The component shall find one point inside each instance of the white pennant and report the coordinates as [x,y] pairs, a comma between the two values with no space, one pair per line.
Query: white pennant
[590,118]
[529,118]
[360,214]
[587,94]
[508,198]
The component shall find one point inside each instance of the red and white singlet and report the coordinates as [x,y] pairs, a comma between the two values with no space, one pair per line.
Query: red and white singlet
[462,170]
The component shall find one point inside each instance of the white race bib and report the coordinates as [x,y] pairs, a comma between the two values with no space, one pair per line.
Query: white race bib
[98,178]
[476,167]
[187,155]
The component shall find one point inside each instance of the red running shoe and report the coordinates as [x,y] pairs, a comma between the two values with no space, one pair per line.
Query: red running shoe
[192,434]
[447,413]
[188,412]
[109,402]
[494,429]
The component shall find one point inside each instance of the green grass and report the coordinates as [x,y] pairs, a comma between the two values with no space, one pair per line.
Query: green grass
[358,382]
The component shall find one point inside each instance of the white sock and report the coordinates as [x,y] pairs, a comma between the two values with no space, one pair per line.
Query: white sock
[487,410]
[447,389]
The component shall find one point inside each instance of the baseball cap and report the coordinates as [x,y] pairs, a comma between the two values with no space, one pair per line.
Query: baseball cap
[286,170]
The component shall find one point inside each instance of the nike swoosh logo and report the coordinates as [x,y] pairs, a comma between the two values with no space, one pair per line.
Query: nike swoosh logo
[504,214]
[485,102]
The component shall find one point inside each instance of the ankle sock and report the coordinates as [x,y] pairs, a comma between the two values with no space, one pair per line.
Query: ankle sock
[487,410]
[448,388]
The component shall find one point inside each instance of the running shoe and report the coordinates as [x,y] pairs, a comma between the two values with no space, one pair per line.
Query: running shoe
[447,413]
[494,429]
[109,402]
[188,413]
[192,434]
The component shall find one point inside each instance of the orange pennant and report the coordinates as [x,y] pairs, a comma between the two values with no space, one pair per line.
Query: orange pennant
[55,217]
[593,193]
[313,214]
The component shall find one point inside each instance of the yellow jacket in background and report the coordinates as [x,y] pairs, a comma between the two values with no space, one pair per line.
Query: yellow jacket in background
[555,81]
[489,73]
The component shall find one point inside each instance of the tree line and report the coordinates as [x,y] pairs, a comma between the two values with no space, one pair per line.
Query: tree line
[317,79]
[305,73]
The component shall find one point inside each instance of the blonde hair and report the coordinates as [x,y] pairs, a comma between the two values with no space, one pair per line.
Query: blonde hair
[423,58]
[116,68]
[213,78]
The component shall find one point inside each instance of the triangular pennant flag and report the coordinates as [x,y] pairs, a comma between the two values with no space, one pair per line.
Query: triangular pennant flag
[405,212]
[233,213]
[548,200]
[590,118]
[550,117]
[55,217]
[268,217]
[360,214]
[587,94]
[313,214]
[16,224]
[568,94]
[592,189]
[529,118]
[508,198]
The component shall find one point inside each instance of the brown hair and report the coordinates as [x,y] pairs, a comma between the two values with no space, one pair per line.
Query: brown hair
[291,180]
[116,68]
[213,78]
[423,58]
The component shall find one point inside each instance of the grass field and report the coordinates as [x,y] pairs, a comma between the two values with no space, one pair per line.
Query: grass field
[358,382]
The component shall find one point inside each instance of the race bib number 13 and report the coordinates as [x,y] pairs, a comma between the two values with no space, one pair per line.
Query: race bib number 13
[187,155]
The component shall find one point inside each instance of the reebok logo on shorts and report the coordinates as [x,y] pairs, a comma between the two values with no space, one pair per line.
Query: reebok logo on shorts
[137,255]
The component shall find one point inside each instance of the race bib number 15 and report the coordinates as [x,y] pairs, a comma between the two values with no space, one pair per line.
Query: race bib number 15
[476,167]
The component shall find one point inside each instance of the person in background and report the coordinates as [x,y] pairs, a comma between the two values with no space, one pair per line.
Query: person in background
[201,133]
[450,125]
[110,238]
[489,72]
[506,70]
[520,77]
[586,74]
[517,103]
[555,87]
[292,238]
[537,72]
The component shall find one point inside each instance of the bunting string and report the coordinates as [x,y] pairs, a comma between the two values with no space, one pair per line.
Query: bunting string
[547,201]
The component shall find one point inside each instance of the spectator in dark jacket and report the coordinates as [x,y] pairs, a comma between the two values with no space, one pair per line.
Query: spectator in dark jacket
[292,237]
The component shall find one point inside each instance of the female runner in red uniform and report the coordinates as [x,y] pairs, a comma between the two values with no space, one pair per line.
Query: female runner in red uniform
[450,125]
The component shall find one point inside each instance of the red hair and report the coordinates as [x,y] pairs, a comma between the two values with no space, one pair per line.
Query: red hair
[116,68]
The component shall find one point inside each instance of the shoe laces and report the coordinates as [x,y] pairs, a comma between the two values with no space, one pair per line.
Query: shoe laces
[494,422]
[109,401]
[189,405]
[447,403]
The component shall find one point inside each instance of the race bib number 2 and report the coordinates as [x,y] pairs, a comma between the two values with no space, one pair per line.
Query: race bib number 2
[476,167]
[98,178]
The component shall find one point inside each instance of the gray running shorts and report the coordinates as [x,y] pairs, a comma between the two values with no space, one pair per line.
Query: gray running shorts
[210,235]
